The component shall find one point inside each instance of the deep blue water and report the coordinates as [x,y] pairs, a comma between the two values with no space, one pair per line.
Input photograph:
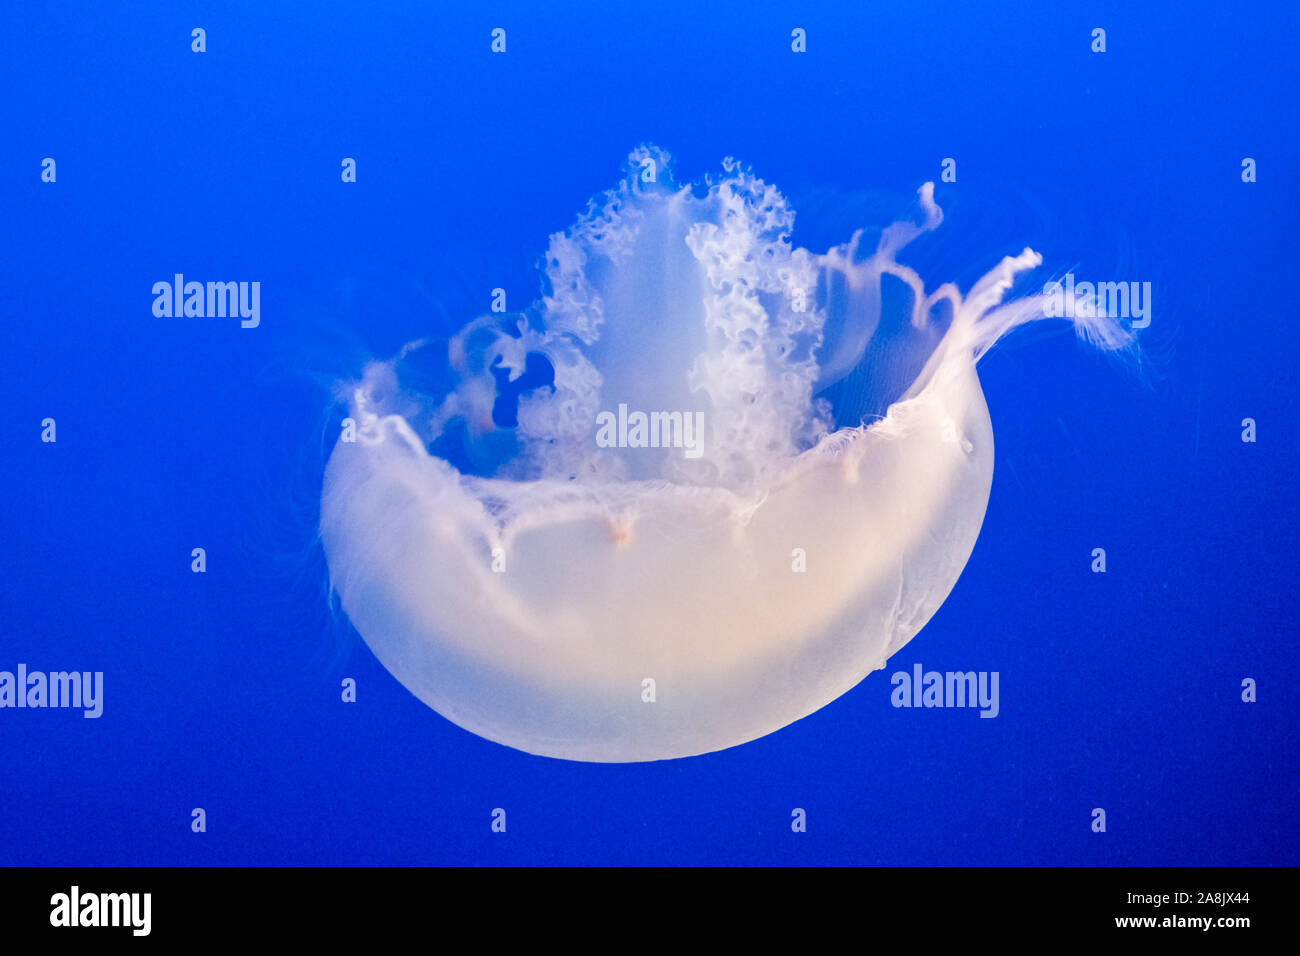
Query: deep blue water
[1119,690]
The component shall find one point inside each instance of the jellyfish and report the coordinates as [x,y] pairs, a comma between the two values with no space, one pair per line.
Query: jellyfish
[747,481]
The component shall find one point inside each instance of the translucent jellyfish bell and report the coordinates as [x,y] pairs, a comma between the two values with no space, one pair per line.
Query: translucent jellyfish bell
[684,544]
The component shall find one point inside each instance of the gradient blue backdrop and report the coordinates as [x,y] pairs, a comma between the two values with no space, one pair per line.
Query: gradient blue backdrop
[222,690]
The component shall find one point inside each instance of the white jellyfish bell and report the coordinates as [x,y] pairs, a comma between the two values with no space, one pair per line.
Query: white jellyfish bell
[705,528]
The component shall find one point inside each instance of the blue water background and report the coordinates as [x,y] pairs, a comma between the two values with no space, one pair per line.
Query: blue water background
[1119,691]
